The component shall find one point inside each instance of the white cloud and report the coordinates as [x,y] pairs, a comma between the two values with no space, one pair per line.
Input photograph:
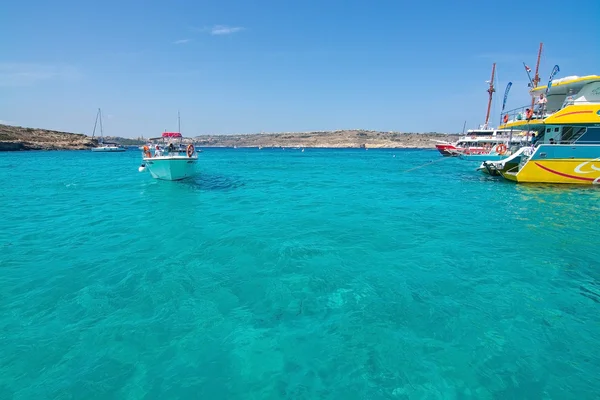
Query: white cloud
[224,30]
[182,41]
[27,74]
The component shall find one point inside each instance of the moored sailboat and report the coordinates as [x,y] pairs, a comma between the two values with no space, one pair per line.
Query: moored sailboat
[104,147]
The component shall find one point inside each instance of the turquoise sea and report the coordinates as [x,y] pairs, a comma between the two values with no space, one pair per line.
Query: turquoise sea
[328,274]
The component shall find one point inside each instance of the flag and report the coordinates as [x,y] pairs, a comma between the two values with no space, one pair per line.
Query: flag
[555,70]
[528,70]
[506,95]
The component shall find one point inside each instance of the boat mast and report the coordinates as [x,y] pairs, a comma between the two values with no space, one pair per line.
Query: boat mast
[178,122]
[101,130]
[491,91]
[95,124]
[536,78]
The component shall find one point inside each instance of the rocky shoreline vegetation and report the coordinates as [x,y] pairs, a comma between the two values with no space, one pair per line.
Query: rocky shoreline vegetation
[16,138]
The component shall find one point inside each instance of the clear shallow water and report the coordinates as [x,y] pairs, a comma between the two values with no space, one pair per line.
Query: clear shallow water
[328,274]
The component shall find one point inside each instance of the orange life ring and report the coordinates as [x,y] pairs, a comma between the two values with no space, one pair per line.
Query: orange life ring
[528,114]
[501,149]
[505,118]
[190,150]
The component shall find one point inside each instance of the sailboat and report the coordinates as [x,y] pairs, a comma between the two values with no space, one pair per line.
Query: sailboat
[106,147]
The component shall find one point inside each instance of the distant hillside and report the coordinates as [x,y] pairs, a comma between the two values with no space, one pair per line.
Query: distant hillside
[18,138]
[125,141]
[336,139]
[14,138]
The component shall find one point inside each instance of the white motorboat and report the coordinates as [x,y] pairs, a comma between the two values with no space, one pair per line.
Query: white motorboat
[170,157]
[105,147]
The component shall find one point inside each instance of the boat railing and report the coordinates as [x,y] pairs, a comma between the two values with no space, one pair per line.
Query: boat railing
[519,113]
[515,137]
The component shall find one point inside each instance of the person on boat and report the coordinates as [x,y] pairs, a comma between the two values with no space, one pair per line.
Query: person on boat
[171,148]
[533,139]
[542,101]
[157,151]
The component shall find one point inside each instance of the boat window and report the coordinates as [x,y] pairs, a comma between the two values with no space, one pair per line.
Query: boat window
[589,135]
[567,135]
[556,129]
[548,129]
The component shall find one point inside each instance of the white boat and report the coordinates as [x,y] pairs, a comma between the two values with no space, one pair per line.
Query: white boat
[169,157]
[105,147]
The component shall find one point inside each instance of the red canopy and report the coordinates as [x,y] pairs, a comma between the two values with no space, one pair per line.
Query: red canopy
[171,134]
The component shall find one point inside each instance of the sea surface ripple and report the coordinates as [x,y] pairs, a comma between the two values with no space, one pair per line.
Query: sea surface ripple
[281,274]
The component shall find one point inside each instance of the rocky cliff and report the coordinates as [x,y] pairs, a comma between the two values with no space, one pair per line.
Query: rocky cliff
[14,138]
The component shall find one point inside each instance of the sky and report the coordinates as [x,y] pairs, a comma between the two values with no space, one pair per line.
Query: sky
[251,66]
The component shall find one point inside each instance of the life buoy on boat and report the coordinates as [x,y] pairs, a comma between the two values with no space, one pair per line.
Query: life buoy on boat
[501,149]
[505,118]
[190,150]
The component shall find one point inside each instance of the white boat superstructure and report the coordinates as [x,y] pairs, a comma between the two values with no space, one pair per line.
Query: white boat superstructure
[483,140]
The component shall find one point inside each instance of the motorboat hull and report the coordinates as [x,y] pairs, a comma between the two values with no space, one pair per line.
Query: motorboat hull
[171,168]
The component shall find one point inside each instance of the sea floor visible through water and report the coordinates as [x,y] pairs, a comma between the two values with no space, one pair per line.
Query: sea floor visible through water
[281,274]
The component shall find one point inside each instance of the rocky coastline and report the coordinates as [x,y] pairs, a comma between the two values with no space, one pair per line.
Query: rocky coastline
[17,138]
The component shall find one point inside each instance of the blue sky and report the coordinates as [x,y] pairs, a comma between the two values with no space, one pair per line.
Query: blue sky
[252,66]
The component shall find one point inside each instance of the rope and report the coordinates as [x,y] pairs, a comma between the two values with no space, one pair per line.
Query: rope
[429,163]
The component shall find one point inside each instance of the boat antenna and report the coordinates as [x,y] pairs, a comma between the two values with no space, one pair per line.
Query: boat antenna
[464,126]
[491,91]
[178,122]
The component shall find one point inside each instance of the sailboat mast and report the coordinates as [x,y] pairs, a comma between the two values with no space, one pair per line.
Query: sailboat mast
[491,91]
[101,130]
[95,124]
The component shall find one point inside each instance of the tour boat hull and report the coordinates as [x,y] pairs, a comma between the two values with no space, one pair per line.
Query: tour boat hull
[447,150]
[570,164]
